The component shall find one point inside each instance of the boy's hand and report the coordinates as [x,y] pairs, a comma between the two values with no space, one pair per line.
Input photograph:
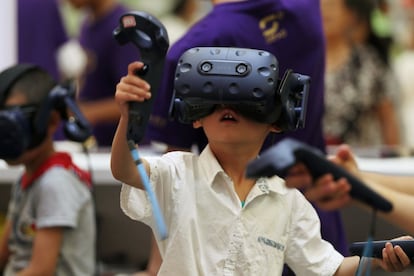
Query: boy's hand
[394,258]
[131,88]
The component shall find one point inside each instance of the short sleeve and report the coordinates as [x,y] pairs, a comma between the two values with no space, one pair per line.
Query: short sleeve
[318,257]
[59,198]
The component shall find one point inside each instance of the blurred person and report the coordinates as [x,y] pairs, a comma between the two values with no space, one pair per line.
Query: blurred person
[41,32]
[381,21]
[398,189]
[50,226]
[106,63]
[279,26]
[179,19]
[403,65]
[361,91]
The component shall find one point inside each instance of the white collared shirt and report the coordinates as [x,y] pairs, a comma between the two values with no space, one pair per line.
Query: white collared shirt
[210,233]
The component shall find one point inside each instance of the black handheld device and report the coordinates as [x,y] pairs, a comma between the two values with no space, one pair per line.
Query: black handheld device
[357,248]
[278,159]
[150,36]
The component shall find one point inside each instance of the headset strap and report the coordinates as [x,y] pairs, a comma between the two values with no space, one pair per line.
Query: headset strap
[60,159]
[12,74]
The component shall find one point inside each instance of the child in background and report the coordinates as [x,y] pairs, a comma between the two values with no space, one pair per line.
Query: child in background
[220,222]
[50,227]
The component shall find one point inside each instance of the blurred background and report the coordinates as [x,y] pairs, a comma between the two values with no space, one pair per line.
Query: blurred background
[123,245]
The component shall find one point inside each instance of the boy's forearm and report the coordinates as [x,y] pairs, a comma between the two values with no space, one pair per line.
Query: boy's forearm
[123,167]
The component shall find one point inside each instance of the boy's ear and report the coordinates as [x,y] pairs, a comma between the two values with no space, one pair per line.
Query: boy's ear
[197,124]
[54,121]
[275,128]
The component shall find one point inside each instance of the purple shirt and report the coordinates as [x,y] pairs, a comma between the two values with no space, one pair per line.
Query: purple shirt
[292,31]
[297,43]
[107,63]
[40,33]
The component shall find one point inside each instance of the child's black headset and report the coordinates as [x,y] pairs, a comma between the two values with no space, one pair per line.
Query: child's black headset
[24,127]
[246,79]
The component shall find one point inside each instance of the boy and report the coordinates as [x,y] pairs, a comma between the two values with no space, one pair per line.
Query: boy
[284,28]
[50,228]
[220,222]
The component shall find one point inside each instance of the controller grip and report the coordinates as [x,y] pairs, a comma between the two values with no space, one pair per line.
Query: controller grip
[318,165]
[357,248]
[139,113]
[278,159]
[150,36]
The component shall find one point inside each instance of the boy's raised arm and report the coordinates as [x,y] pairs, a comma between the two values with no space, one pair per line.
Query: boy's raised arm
[130,88]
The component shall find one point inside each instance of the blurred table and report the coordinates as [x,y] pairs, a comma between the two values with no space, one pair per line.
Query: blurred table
[389,160]
[96,161]
[395,165]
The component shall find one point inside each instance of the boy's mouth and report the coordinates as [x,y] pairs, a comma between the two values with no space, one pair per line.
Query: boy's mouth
[228,117]
[228,114]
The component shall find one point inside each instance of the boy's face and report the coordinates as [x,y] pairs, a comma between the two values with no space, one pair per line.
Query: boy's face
[15,99]
[226,125]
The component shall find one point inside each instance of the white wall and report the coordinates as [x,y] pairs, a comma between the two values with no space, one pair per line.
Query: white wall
[8,27]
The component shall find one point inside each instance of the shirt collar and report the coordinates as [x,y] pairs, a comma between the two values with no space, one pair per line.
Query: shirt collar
[209,164]
[211,168]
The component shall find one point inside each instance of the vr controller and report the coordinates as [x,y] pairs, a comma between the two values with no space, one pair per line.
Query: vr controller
[278,159]
[62,99]
[150,36]
[247,79]
[357,248]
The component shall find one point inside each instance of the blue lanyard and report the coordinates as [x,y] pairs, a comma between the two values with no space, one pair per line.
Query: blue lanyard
[159,219]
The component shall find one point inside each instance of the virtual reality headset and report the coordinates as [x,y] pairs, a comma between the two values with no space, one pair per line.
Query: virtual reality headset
[245,79]
[24,127]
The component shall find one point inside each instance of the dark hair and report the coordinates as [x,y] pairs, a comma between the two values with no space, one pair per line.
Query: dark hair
[179,6]
[364,9]
[34,84]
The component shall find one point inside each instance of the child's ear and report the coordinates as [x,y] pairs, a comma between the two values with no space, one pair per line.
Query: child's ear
[54,121]
[275,128]
[197,124]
